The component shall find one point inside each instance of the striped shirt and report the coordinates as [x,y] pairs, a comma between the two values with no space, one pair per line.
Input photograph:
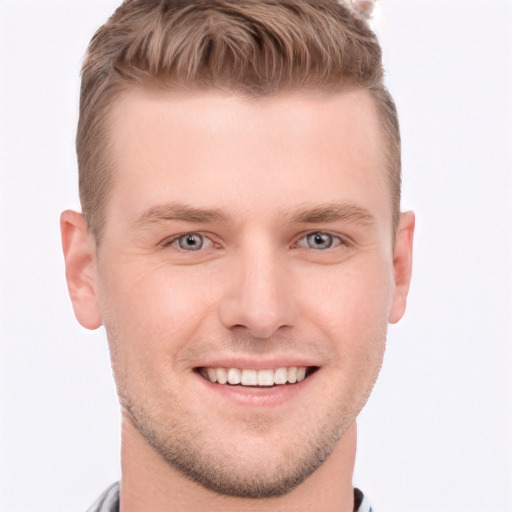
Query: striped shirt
[109,501]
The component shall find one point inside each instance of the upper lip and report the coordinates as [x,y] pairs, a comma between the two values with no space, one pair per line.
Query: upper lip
[254,363]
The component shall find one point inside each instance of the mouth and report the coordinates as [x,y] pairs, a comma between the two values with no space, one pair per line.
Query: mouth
[251,378]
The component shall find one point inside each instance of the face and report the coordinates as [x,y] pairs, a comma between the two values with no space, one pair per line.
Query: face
[245,278]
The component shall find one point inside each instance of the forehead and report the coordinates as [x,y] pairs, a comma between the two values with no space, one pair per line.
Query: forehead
[230,152]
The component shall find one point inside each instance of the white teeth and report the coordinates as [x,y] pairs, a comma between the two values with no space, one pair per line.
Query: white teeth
[280,376]
[245,377]
[222,375]
[212,374]
[292,375]
[265,378]
[249,377]
[234,376]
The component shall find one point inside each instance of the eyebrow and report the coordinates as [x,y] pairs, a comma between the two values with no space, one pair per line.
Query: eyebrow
[326,212]
[180,212]
[331,212]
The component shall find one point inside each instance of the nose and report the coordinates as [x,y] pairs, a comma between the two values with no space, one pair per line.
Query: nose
[259,294]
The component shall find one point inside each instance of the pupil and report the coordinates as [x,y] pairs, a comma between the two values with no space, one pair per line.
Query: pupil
[319,241]
[191,242]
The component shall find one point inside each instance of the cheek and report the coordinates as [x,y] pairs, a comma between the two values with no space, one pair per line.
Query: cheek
[351,298]
[351,310]
[352,313]
[160,308]
[149,317]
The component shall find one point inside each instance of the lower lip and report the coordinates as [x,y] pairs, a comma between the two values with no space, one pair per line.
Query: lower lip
[258,396]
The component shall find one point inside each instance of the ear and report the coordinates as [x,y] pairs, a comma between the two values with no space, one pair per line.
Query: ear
[79,247]
[402,266]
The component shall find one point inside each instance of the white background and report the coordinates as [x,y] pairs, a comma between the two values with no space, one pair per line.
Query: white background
[437,432]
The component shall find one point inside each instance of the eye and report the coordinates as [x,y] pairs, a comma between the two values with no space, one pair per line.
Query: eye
[189,242]
[319,241]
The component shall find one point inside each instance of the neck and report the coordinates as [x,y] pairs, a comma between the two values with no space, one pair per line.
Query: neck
[149,483]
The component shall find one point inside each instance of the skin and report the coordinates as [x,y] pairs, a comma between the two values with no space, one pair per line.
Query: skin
[252,179]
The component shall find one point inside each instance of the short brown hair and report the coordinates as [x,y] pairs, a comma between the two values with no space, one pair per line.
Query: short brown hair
[258,47]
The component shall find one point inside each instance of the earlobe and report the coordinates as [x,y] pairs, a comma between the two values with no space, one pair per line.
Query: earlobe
[402,265]
[79,249]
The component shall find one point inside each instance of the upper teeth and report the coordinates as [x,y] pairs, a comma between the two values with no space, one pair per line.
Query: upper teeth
[245,377]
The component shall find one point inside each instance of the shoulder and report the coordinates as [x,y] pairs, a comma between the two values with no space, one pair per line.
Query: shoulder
[108,501]
[361,503]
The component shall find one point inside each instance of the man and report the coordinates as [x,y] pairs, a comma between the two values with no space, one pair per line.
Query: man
[242,243]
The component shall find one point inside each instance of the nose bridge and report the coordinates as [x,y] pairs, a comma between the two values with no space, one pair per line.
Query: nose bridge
[261,278]
[259,297]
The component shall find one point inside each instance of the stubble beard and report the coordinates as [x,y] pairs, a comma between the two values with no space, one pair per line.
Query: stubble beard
[225,469]
[188,444]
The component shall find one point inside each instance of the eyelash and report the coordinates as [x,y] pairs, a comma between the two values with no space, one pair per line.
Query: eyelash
[176,239]
[335,239]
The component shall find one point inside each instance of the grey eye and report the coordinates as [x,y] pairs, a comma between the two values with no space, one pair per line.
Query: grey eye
[191,242]
[319,241]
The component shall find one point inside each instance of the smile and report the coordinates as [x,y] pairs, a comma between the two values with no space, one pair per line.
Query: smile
[252,378]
